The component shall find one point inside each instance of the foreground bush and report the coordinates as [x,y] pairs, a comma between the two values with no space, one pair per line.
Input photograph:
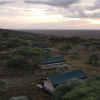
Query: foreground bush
[85,92]
[19,98]
[62,89]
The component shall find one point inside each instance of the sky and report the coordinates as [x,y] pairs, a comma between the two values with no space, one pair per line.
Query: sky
[50,14]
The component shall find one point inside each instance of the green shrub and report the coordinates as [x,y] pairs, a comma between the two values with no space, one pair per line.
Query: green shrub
[62,68]
[19,98]
[96,75]
[75,82]
[63,89]
[84,92]
[94,56]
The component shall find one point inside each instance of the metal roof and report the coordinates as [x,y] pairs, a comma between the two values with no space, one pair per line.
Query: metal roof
[66,77]
[53,60]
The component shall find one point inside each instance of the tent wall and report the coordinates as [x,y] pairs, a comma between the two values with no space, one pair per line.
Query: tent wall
[52,65]
[48,85]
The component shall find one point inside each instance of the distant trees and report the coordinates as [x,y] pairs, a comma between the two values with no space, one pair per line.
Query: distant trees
[65,48]
[74,39]
[54,39]
[12,43]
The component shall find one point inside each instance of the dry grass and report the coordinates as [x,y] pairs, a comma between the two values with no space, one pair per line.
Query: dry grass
[80,62]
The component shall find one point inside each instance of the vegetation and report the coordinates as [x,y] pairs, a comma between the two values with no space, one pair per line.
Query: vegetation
[62,68]
[94,57]
[65,48]
[19,58]
[61,90]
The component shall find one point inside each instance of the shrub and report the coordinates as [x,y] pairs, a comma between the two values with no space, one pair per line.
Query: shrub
[62,68]
[76,54]
[2,83]
[96,75]
[94,56]
[19,98]
[63,89]
[75,82]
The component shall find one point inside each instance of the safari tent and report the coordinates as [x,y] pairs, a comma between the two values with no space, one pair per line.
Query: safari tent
[51,82]
[53,62]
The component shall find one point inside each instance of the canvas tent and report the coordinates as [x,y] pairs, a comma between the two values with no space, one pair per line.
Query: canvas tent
[51,82]
[53,62]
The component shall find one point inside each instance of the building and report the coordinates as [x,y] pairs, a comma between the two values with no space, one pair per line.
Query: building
[53,62]
[51,82]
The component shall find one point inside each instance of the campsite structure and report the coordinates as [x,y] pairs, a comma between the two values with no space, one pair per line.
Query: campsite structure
[51,82]
[53,62]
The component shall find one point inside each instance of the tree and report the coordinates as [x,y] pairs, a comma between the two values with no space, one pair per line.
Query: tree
[87,45]
[65,48]
[94,56]
[23,43]
[74,39]
[54,39]
[20,55]
[62,39]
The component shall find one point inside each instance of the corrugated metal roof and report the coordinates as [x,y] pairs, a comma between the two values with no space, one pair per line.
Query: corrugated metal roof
[53,60]
[66,77]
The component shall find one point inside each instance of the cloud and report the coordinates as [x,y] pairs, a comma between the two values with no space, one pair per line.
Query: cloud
[4,2]
[95,7]
[79,11]
[56,3]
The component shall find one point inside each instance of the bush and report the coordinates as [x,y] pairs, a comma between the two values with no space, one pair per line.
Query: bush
[63,89]
[62,68]
[94,56]
[2,83]
[75,82]
[96,75]
[76,54]
[19,98]
[84,92]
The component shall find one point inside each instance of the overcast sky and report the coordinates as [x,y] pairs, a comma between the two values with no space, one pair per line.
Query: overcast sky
[50,14]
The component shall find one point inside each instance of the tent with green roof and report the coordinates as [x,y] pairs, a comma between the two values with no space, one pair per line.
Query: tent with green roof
[55,80]
[53,62]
